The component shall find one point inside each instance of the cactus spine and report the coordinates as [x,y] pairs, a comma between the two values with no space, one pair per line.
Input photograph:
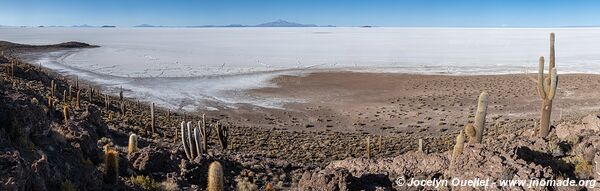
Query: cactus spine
[215,177]
[132,147]
[547,89]
[480,116]
[111,162]
[458,147]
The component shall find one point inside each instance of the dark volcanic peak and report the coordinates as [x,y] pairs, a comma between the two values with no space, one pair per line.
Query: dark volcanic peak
[283,23]
[83,26]
[145,25]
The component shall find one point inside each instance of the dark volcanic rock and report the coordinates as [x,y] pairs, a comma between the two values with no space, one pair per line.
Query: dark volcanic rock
[153,159]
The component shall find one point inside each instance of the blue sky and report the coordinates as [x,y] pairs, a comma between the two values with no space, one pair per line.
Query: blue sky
[417,13]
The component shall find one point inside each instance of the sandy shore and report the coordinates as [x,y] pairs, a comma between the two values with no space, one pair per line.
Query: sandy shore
[407,103]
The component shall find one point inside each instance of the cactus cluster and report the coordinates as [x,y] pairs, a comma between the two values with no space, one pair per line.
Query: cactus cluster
[546,86]
[191,141]
[195,139]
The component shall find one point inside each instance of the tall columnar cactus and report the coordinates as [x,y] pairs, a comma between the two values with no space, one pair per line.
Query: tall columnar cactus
[65,96]
[222,133]
[77,82]
[50,102]
[78,103]
[458,147]
[215,177]
[121,94]
[111,166]
[547,89]
[480,116]
[123,108]
[70,97]
[380,144]
[152,119]
[204,132]
[12,69]
[420,146]
[52,88]
[107,102]
[197,142]
[90,93]
[184,141]
[132,146]
[66,112]
[191,141]
[368,148]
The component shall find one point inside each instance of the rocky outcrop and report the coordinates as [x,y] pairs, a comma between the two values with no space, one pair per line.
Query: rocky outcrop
[153,159]
[476,162]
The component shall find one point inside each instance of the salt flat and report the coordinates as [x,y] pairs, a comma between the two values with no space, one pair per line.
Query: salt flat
[212,67]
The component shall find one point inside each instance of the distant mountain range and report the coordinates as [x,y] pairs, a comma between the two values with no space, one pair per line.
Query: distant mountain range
[277,23]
